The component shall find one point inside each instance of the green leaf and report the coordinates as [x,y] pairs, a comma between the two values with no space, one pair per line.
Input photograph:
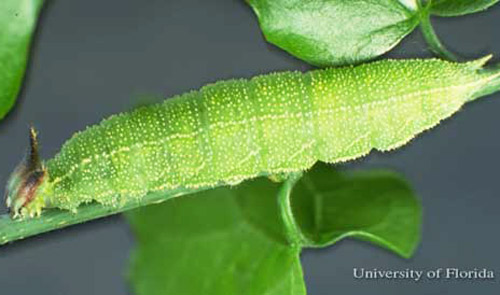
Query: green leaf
[336,32]
[459,7]
[376,206]
[223,241]
[246,240]
[17,23]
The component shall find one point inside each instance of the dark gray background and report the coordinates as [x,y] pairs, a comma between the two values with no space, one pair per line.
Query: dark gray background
[94,58]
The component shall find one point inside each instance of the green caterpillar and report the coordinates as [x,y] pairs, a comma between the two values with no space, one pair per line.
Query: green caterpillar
[239,129]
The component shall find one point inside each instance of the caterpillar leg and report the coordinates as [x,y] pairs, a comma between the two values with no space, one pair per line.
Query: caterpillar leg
[279,177]
[32,209]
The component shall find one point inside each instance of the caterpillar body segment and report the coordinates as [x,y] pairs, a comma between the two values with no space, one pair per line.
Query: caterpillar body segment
[273,124]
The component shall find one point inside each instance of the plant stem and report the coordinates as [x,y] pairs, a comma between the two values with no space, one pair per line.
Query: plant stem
[492,86]
[432,39]
[51,219]
[294,233]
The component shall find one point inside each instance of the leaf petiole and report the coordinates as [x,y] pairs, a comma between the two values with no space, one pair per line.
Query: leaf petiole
[432,39]
[293,231]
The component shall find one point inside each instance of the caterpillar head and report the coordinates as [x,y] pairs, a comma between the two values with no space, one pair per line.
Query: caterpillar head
[21,195]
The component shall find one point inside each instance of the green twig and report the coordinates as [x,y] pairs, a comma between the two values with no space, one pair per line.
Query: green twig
[51,219]
[492,86]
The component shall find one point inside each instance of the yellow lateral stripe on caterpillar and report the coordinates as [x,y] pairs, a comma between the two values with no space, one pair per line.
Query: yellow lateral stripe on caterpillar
[193,134]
